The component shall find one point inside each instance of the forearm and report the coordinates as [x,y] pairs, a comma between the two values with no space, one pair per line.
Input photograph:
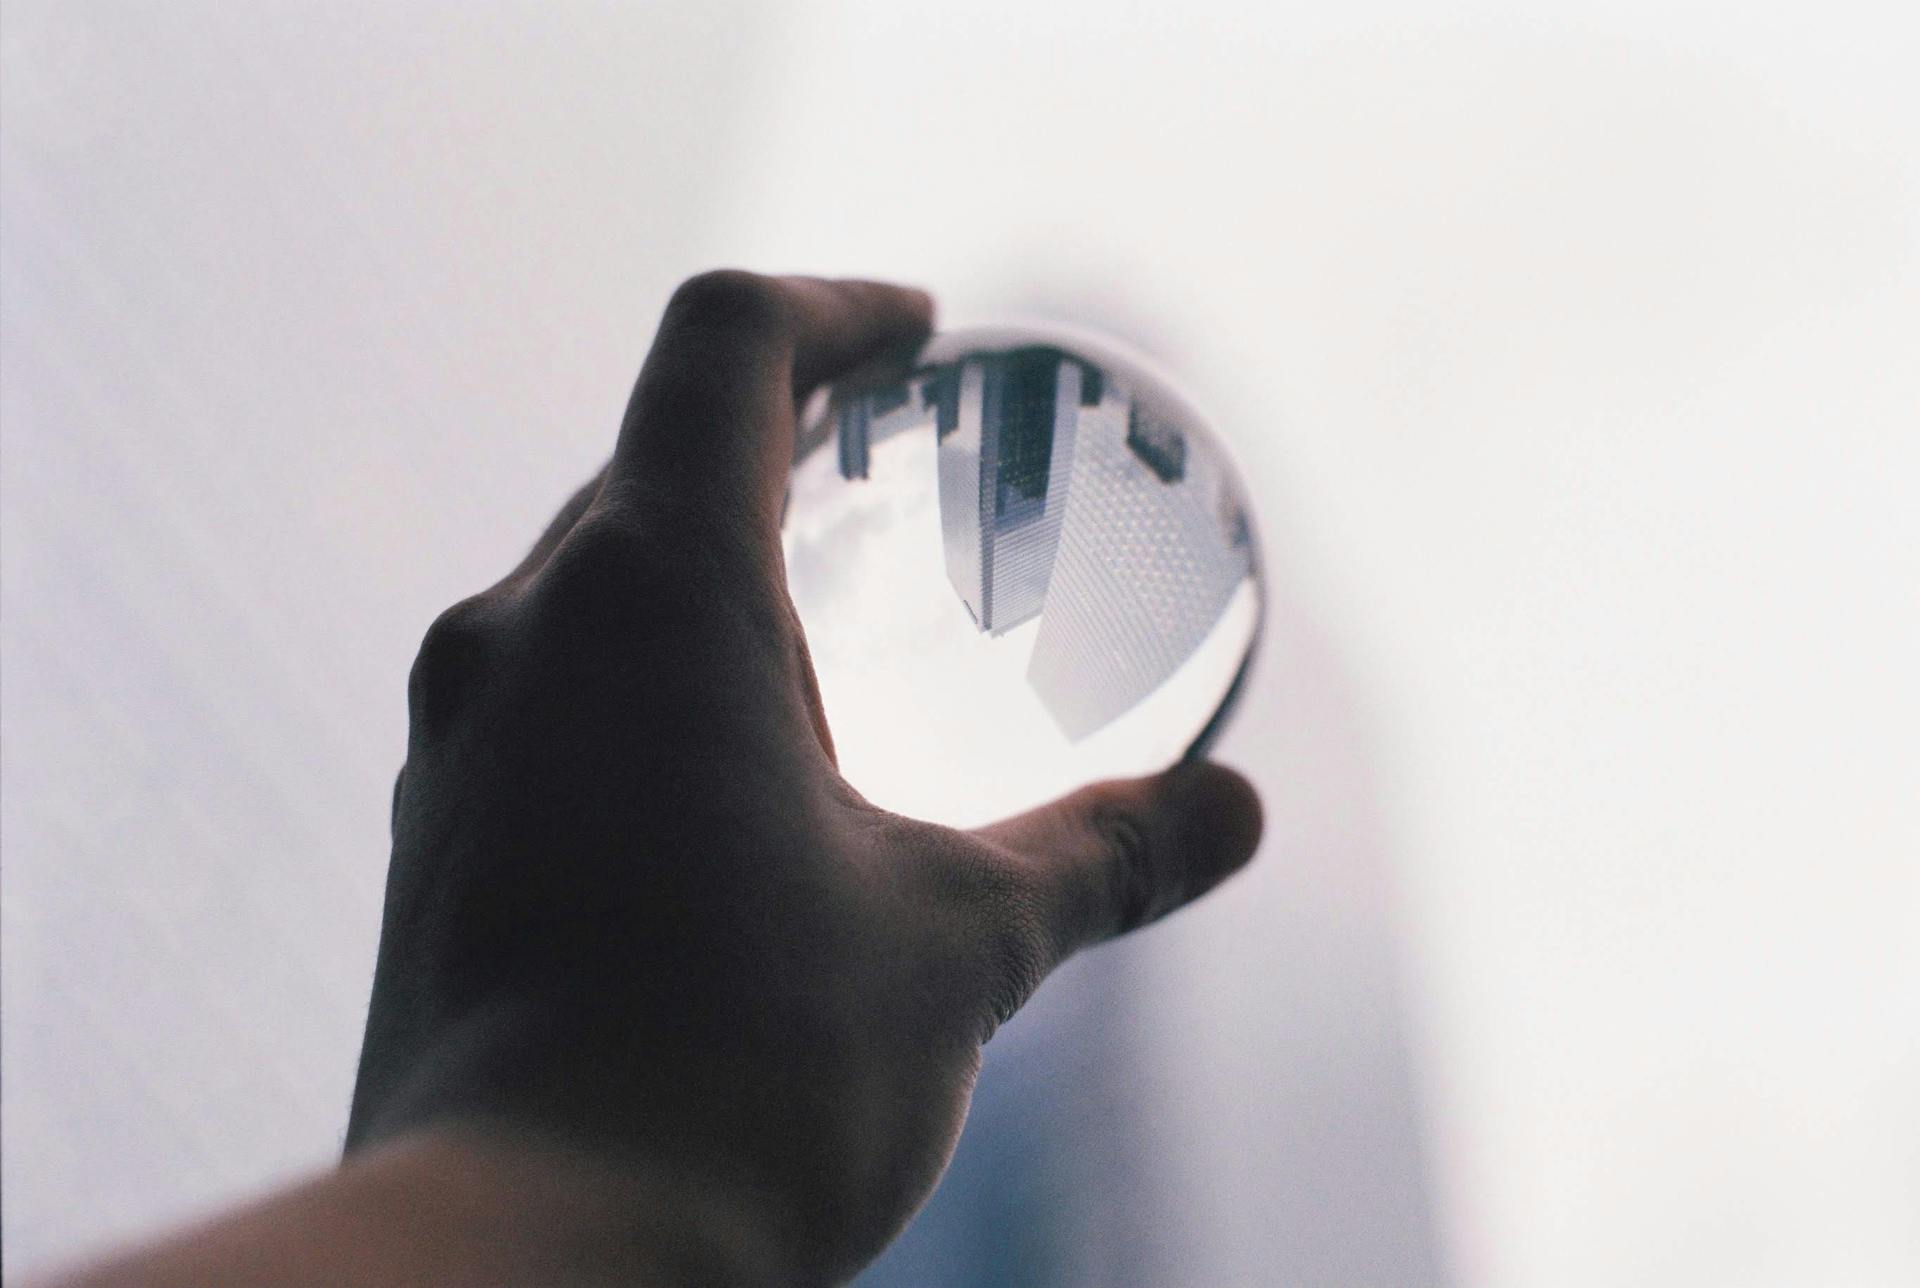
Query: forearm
[459,1206]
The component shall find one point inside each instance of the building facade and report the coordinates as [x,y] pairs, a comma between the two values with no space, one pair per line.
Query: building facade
[1005,463]
[1154,543]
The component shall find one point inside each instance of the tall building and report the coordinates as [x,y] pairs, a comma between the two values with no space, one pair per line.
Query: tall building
[875,417]
[1153,544]
[1006,424]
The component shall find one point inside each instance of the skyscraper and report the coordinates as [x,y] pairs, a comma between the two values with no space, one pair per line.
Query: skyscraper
[1005,457]
[874,417]
[1152,546]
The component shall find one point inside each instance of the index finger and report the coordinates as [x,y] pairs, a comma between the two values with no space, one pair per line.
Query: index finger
[712,414]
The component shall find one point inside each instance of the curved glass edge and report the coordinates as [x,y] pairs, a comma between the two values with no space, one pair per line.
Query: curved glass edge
[1143,375]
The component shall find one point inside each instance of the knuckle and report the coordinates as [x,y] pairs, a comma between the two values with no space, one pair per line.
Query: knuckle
[1137,887]
[453,661]
[730,299]
[614,584]
[597,569]
[393,809]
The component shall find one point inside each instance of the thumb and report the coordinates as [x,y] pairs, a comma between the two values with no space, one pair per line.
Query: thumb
[1112,857]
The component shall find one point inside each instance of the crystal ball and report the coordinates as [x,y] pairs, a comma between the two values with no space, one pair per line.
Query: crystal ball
[1023,562]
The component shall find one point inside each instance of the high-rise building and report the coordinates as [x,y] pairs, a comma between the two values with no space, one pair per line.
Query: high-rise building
[875,417]
[1152,546]
[1006,447]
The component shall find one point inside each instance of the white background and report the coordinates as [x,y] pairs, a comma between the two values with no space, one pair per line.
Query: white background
[1571,350]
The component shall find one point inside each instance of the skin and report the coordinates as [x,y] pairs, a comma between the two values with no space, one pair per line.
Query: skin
[660,998]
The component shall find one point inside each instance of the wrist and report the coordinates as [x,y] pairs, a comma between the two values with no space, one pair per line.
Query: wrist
[566,1216]
[621,1151]
[464,1206]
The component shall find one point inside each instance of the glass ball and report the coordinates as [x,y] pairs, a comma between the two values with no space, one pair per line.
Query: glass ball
[1023,562]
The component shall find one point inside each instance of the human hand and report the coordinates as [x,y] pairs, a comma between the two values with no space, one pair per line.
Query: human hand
[634,909]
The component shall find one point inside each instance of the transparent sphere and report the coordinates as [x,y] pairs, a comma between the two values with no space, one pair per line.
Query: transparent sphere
[1023,562]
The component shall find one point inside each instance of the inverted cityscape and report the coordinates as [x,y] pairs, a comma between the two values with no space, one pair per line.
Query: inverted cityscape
[1064,496]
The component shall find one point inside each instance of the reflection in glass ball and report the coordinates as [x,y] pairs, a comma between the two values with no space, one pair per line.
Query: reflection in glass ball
[1023,563]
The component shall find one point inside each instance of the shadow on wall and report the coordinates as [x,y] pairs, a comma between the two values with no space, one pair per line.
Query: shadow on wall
[1123,1134]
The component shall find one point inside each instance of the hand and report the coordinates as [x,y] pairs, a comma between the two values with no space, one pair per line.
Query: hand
[633,909]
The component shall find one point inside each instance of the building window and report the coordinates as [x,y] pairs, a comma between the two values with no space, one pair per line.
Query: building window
[1160,447]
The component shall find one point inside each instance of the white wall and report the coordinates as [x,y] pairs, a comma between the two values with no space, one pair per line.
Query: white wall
[313,314]
[1575,358]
